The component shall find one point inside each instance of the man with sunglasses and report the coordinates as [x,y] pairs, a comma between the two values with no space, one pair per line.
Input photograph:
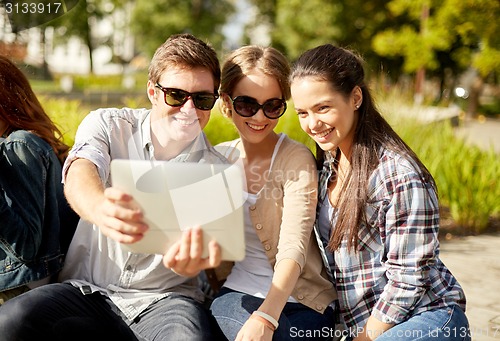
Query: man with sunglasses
[107,292]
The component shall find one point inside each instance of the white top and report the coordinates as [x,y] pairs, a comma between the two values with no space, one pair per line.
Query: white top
[253,275]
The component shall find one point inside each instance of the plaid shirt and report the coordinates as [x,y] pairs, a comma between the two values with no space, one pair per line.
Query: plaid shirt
[396,271]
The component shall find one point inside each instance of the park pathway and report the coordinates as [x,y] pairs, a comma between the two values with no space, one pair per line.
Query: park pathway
[475,260]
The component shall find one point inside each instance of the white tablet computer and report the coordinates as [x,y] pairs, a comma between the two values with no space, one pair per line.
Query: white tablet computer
[175,196]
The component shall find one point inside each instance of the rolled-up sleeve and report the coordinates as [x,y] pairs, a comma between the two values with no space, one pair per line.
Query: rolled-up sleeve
[92,143]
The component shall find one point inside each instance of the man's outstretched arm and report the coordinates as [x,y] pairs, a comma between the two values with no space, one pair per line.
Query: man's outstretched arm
[114,211]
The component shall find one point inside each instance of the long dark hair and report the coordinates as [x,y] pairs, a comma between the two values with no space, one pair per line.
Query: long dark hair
[343,69]
[21,110]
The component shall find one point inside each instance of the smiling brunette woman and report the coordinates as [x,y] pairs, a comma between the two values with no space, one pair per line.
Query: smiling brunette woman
[378,211]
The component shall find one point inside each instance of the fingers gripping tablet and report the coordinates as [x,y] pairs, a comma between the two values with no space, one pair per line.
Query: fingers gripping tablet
[175,196]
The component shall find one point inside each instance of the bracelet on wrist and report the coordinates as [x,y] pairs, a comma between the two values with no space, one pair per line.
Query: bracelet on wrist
[267,317]
[263,321]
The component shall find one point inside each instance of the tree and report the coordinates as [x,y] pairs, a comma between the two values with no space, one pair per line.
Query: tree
[359,21]
[81,22]
[466,31]
[35,15]
[27,14]
[417,40]
[476,24]
[301,25]
[262,20]
[154,21]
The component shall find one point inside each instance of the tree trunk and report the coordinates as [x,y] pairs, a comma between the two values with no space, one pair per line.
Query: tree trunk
[45,67]
[419,86]
[475,92]
[87,36]
[420,76]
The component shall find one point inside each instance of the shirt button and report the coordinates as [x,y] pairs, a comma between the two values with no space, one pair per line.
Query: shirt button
[252,208]
[340,280]
[319,307]
[267,247]
[258,226]
[300,297]
[129,268]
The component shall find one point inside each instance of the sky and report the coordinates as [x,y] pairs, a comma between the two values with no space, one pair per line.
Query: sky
[234,29]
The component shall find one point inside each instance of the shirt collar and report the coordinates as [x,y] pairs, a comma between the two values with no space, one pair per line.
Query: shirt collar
[194,151]
[147,143]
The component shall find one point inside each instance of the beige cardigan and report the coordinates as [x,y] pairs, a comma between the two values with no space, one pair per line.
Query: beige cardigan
[283,217]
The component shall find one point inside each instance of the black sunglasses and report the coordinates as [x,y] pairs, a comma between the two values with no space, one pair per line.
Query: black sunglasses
[177,97]
[248,106]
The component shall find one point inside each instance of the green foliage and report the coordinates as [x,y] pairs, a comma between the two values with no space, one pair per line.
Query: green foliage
[157,20]
[97,82]
[79,22]
[404,42]
[476,24]
[30,13]
[425,33]
[289,124]
[136,102]
[299,25]
[417,40]
[491,109]
[43,86]
[487,61]
[93,82]
[297,33]
[67,115]
[219,128]
[467,178]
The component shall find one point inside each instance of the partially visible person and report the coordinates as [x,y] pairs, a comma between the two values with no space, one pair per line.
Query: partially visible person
[378,212]
[36,222]
[280,290]
[108,293]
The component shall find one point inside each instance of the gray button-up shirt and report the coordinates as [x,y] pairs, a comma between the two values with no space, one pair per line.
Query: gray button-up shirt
[132,281]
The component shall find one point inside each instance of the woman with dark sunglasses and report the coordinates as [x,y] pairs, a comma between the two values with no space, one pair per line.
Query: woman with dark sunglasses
[273,293]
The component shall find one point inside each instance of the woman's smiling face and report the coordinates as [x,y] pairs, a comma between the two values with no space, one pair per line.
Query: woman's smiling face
[262,87]
[326,115]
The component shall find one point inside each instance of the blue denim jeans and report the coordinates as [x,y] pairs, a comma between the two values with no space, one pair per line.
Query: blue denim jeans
[61,312]
[449,323]
[231,309]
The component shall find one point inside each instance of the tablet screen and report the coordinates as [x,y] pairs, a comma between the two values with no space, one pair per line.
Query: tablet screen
[175,196]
